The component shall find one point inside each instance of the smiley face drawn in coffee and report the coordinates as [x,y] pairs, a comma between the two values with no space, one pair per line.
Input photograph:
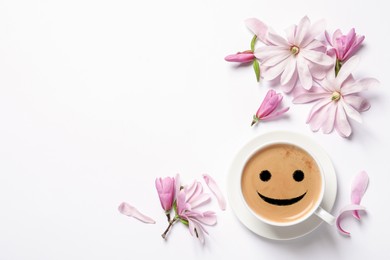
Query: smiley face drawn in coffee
[281,182]
[265,176]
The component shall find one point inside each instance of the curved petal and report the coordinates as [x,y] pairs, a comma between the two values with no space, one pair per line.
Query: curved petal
[318,118]
[199,200]
[343,212]
[359,187]
[354,48]
[128,210]
[208,218]
[302,29]
[317,57]
[259,28]
[304,74]
[214,188]
[272,61]
[277,40]
[350,111]
[328,39]
[315,45]
[290,33]
[289,86]
[289,70]
[267,52]
[275,114]
[328,124]
[272,72]
[358,86]
[357,102]
[315,29]
[318,106]
[347,69]
[342,124]
[310,97]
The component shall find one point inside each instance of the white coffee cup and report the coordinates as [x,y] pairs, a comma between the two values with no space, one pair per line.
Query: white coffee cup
[311,149]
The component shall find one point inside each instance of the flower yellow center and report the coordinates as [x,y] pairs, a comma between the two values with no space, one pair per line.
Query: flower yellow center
[294,50]
[336,96]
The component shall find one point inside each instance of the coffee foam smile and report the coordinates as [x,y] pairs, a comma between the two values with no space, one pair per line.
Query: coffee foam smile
[281,202]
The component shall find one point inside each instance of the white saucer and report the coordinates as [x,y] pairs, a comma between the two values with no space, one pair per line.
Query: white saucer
[237,202]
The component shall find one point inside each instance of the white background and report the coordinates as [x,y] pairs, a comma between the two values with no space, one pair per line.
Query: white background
[99,98]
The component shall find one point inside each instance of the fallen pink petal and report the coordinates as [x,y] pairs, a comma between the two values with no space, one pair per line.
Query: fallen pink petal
[343,212]
[213,186]
[359,187]
[128,210]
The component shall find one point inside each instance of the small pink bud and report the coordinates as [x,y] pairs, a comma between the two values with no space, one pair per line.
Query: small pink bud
[242,57]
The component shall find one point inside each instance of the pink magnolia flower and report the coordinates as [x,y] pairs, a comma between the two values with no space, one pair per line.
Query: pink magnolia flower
[337,100]
[241,57]
[267,109]
[299,58]
[166,192]
[344,46]
[190,198]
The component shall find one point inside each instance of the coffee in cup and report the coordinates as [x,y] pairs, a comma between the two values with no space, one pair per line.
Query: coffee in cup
[282,184]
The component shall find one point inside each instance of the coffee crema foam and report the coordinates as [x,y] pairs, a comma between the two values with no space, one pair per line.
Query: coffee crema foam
[281,183]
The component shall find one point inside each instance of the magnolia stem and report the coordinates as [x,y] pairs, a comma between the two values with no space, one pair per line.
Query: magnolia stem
[338,66]
[164,235]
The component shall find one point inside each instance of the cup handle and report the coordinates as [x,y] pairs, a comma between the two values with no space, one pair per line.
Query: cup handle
[325,216]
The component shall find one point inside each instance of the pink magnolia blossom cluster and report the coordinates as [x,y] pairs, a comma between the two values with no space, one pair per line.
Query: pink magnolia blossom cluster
[312,70]
[185,202]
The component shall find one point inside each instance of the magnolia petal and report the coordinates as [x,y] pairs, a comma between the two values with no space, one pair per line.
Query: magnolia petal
[275,114]
[309,97]
[344,211]
[317,57]
[315,45]
[214,188]
[128,210]
[317,106]
[328,124]
[273,72]
[357,102]
[290,33]
[276,39]
[358,86]
[208,218]
[315,29]
[328,39]
[290,85]
[304,74]
[200,200]
[347,69]
[289,70]
[276,59]
[318,72]
[342,124]
[259,28]
[358,188]
[177,184]
[318,118]
[266,52]
[302,29]
[351,112]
